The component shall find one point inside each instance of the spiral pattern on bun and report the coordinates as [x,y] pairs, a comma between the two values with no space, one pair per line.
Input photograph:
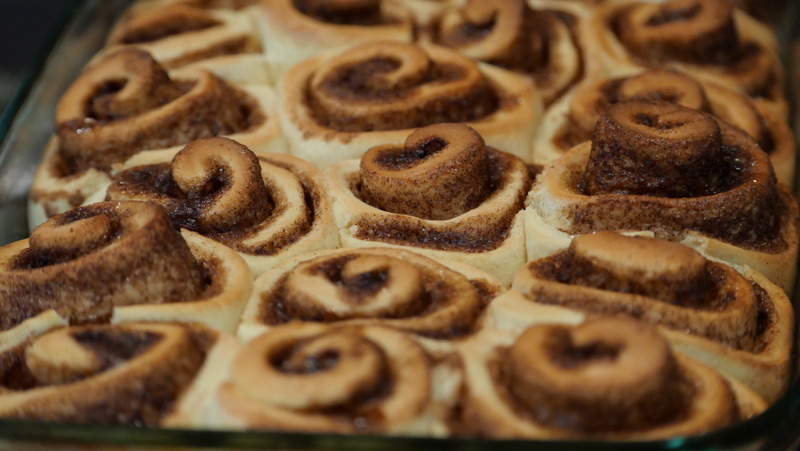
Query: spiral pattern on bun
[340,379]
[604,379]
[443,193]
[510,34]
[125,104]
[119,261]
[708,39]
[294,30]
[180,33]
[740,324]
[131,374]
[267,207]
[335,107]
[677,173]
[573,121]
[372,286]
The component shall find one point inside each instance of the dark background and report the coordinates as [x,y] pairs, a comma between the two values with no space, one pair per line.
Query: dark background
[27,27]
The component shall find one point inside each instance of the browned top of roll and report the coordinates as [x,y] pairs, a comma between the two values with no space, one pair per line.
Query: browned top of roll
[390,86]
[664,158]
[666,85]
[656,281]
[441,172]
[607,377]
[86,261]
[158,23]
[342,12]
[510,34]
[395,287]
[700,32]
[127,103]
[218,187]
[128,374]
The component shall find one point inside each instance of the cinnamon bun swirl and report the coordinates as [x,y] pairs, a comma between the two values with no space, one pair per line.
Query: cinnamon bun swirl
[335,379]
[572,121]
[126,104]
[542,43]
[444,194]
[118,261]
[294,30]
[709,39]
[178,33]
[673,172]
[129,374]
[395,288]
[732,319]
[267,207]
[335,107]
[608,379]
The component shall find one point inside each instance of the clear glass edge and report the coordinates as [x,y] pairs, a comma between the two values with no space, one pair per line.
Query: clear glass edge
[776,428]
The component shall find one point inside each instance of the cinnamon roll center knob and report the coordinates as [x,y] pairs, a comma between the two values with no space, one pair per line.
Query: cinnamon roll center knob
[365,286]
[440,173]
[607,375]
[349,366]
[693,31]
[655,149]
[669,272]
[222,181]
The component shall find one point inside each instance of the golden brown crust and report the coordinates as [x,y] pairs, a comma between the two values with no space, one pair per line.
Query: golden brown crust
[738,323]
[344,379]
[127,103]
[708,39]
[267,207]
[294,30]
[119,261]
[739,205]
[78,263]
[608,379]
[540,42]
[444,194]
[182,32]
[335,107]
[573,123]
[124,374]
[371,286]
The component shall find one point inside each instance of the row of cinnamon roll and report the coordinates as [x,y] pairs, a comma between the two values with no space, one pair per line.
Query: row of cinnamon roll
[543,219]
[655,168]
[334,106]
[384,341]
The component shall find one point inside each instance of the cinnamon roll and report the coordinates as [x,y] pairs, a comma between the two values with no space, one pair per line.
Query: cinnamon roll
[126,104]
[444,194]
[178,33]
[397,288]
[293,30]
[118,261]
[673,172]
[129,374]
[335,379]
[335,107]
[608,379]
[267,207]
[572,121]
[709,39]
[737,322]
[543,43]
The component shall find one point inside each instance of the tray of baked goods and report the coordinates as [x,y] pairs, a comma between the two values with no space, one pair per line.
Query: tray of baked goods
[386,224]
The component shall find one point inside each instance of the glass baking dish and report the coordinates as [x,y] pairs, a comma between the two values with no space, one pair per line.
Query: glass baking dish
[23,136]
